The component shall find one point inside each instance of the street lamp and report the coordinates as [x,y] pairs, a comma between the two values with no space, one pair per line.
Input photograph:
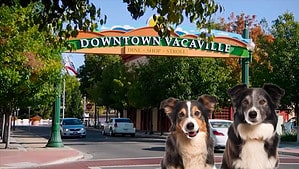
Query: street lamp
[55,138]
[250,48]
[15,117]
[250,45]
[245,61]
[63,98]
[29,118]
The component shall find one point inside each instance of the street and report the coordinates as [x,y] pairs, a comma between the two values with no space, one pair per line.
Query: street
[124,152]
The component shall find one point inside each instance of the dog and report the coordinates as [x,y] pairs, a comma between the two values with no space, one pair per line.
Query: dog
[252,139]
[189,144]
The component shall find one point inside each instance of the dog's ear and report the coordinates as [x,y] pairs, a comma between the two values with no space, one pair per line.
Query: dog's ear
[208,101]
[274,91]
[168,106]
[234,91]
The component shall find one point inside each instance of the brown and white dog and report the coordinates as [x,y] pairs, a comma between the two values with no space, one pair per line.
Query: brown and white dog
[252,139]
[189,145]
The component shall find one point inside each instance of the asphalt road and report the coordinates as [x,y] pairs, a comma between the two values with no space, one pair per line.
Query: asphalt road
[125,152]
[106,147]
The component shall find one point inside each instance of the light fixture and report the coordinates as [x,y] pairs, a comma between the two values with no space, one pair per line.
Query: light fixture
[250,45]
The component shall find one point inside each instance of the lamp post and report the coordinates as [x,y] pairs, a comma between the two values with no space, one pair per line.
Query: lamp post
[15,118]
[63,98]
[55,138]
[29,118]
[245,61]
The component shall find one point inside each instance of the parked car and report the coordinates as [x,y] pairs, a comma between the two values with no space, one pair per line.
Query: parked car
[123,126]
[219,128]
[72,127]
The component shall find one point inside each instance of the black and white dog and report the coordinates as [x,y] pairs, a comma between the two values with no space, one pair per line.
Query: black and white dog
[189,145]
[252,139]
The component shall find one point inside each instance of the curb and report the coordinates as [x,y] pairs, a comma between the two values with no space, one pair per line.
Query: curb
[81,156]
[288,153]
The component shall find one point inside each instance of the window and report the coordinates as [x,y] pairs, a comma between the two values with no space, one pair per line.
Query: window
[123,121]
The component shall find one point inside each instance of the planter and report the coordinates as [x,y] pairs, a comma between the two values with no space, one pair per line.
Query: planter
[35,123]
[35,120]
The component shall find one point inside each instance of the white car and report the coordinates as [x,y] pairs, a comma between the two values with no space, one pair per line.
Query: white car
[123,126]
[219,128]
[72,127]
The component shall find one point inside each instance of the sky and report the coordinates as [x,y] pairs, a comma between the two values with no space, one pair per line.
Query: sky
[117,14]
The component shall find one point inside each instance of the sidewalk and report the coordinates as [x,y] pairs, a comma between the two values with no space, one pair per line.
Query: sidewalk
[28,150]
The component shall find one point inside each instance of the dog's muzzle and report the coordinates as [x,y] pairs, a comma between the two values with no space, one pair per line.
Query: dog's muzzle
[252,117]
[252,114]
[192,133]
[190,130]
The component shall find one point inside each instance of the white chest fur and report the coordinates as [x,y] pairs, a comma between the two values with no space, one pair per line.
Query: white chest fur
[261,131]
[253,154]
[194,152]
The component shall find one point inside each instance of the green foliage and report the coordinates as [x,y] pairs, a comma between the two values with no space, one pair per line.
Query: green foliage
[66,17]
[103,80]
[63,17]
[113,87]
[171,13]
[91,72]
[288,137]
[73,97]
[29,64]
[183,78]
[284,57]
[144,86]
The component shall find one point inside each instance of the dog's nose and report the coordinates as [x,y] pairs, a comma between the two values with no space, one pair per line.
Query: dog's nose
[252,114]
[190,126]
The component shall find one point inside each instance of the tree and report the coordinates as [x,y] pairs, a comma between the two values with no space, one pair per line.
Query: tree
[91,72]
[172,12]
[114,85]
[260,35]
[183,78]
[103,80]
[63,17]
[66,17]
[73,97]
[29,65]
[283,54]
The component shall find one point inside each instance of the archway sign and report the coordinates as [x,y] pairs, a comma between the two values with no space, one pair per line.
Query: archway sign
[133,43]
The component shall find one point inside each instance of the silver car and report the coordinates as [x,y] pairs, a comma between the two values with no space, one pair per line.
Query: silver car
[72,127]
[123,126]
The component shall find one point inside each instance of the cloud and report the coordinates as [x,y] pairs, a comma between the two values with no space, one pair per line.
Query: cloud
[124,27]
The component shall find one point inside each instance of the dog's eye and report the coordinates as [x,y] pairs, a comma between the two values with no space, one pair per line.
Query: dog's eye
[197,113]
[181,114]
[245,102]
[262,102]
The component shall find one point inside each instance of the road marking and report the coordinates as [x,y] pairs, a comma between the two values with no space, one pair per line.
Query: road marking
[121,166]
[133,158]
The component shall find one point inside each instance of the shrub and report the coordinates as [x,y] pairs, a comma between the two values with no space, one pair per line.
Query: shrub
[35,118]
[288,137]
